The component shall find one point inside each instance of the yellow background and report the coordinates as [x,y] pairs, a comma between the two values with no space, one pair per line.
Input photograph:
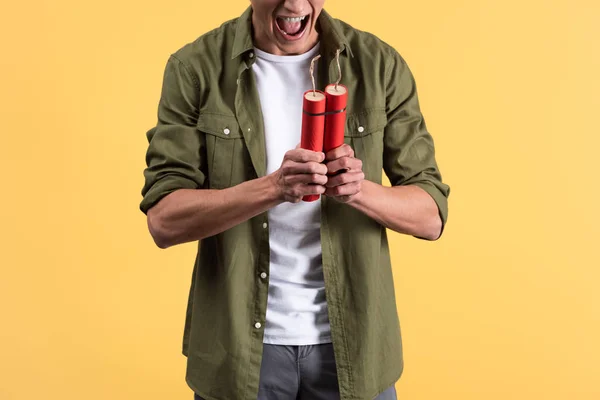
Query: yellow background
[504,306]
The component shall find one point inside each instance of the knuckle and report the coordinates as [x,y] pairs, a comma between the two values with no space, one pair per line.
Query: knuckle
[315,167]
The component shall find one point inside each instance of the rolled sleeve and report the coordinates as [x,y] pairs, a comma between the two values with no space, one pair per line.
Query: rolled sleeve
[175,157]
[409,153]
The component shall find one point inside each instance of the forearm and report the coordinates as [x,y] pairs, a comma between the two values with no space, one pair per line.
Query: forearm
[192,214]
[404,209]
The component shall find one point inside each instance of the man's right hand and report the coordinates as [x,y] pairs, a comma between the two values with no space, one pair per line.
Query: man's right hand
[187,215]
[301,173]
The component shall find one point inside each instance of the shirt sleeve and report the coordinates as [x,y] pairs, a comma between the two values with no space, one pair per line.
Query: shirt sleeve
[175,157]
[409,154]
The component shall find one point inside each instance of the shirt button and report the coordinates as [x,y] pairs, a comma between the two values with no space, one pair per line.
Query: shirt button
[263,275]
[265,225]
[251,55]
[257,325]
[226,131]
[361,129]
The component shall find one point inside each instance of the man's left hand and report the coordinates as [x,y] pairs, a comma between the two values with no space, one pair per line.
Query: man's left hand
[345,186]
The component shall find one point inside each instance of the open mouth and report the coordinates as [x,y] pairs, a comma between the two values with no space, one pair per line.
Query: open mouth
[292,28]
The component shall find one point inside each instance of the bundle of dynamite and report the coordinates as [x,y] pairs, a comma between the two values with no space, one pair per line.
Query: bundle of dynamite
[323,117]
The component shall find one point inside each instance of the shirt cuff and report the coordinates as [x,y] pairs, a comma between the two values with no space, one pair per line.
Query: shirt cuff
[440,199]
[163,187]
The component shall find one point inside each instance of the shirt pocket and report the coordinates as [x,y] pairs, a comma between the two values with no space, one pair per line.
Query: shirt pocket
[364,132]
[227,157]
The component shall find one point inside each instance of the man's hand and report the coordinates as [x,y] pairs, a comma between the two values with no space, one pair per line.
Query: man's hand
[346,185]
[301,173]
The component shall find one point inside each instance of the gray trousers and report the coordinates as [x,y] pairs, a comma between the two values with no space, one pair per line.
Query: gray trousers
[301,373]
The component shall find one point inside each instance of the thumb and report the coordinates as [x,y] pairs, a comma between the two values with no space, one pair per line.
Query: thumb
[298,145]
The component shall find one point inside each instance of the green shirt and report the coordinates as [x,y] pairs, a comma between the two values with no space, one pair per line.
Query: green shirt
[210,134]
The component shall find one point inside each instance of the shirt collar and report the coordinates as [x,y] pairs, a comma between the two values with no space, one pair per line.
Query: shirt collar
[330,34]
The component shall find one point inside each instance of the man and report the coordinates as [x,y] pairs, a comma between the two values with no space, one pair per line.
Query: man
[289,299]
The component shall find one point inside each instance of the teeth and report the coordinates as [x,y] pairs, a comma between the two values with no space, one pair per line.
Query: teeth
[293,19]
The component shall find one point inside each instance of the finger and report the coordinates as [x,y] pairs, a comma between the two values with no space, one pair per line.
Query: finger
[344,163]
[311,167]
[345,150]
[298,145]
[313,189]
[348,189]
[304,179]
[345,178]
[304,155]
[300,191]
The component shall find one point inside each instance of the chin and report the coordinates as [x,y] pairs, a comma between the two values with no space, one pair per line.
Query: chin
[292,49]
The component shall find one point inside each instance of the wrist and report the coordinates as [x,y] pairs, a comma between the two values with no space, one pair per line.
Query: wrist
[270,187]
[358,200]
[355,200]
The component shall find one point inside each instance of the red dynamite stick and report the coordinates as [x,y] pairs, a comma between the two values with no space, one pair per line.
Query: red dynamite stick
[313,126]
[335,118]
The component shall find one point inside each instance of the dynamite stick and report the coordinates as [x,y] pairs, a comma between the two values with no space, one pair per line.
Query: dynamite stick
[313,121]
[335,116]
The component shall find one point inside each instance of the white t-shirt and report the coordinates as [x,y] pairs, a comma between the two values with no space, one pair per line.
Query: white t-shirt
[296,306]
